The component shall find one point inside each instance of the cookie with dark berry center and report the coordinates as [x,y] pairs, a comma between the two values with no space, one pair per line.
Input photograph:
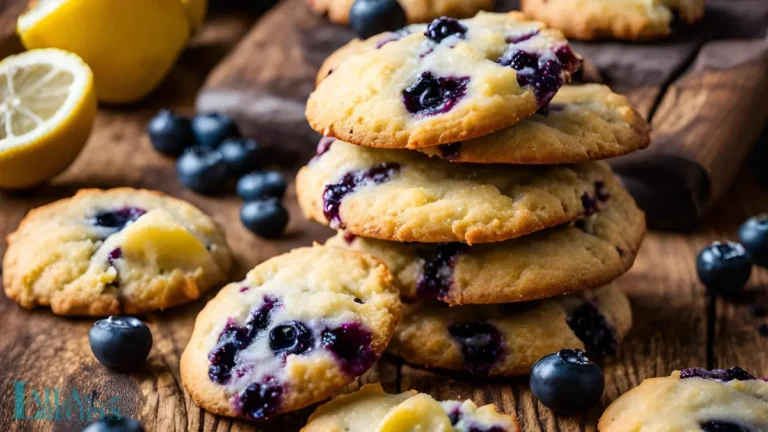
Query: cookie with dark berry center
[555,261]
[105,252]
[423,88]
[406,196]
[294,332]
[693,399]
[507,339]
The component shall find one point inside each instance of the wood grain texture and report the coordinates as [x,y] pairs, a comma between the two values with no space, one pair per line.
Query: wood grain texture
[676,325]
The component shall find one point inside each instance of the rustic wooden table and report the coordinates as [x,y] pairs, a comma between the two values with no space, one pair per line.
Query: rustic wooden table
[676,324]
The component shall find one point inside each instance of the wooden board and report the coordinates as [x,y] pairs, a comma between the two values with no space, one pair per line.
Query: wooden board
[675,324]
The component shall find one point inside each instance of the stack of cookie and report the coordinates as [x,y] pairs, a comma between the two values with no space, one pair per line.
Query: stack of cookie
[456,154]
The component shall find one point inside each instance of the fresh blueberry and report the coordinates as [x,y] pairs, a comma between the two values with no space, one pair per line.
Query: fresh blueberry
[290,338]
[723,426]
[260,185]
[724,268]
[122,425]
[444,27]
[203,170]
[260,401]
[212,129]
[266,218]
[371,17]
[240,154]
[753,234]
[431,95]
[567,382]
[170,134]
[121,343]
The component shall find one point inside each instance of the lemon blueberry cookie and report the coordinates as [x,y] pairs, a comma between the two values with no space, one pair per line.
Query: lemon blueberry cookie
[299,328]
[372,410]
[454,81]
[402,195]
[507,339]
[416,11]
[613,19]
[693,399]
[114,251]
[560,260]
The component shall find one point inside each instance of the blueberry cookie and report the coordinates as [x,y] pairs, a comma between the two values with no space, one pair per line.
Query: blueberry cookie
[105,252]
[560,260]
[507,339]
[294,332]
[402,195]
[613,19]
[453,81]
[372,410]
[416,11]
[693,399]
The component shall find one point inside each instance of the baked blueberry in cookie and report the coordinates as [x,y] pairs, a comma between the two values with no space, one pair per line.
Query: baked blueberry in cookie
[117,251]
[449,81]
[370,410]
[503,339]
[405,196]
[294,332]
[693,399]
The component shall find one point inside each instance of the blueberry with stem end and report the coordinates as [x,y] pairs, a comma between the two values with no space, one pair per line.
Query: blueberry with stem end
[266,218]
[753,234]
[170,134]
[259,185]
[202,170]
[371,17]
[724,268]
[121,343]
[567,382]
[212,129]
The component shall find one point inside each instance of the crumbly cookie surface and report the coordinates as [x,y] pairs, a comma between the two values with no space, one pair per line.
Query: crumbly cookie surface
[507,339]
[454,81]
[613,19]
[114,251]
[560,260]
[372,410]
[416,11]
[294,332]
[692,400]
[406,196]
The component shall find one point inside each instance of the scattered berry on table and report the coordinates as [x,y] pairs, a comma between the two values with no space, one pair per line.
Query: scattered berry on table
[724,268]
[260,185]
[266,218]
[121,343]
[203,170]
[753,234]
[758,310]
[371,17]
[170,134]
[567,382]
[763,330]
[212,129]
[122,425]
[240,154]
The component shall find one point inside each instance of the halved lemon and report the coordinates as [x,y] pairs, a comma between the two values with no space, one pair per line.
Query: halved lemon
[47,108]
[130,45]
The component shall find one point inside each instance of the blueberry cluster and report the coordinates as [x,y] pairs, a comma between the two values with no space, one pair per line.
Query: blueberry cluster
[211,154]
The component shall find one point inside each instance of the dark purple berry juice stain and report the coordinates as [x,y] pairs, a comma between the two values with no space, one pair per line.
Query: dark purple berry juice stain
[114,255]
[235,338]
[351,344]
[436,277]
[335,193]
[431,95]
[349,238]
[322,148]
[451,151]
[444,27]
[116,220]
[481,345]
[722,375]
[723,426]
[593,202]
[260,401]
[522,37]
[393,37]
[591,327]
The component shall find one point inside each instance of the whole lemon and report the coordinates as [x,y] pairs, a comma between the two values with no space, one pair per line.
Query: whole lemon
[196,11]
[130,45]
